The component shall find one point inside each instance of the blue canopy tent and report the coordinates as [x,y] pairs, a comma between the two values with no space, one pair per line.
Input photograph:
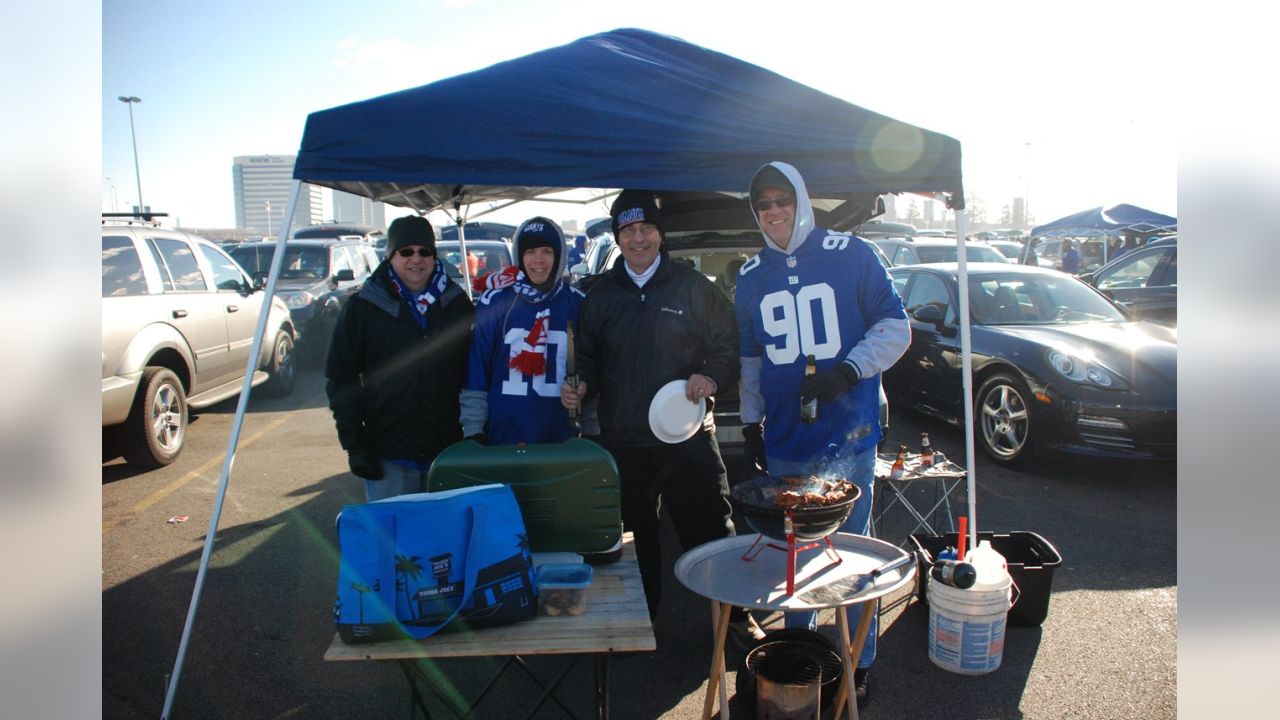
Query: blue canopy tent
[622,109]
[1097,222]
[627,108]
[1120,220]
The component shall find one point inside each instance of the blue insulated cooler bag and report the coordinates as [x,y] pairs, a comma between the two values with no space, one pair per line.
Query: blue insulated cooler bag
[418,564]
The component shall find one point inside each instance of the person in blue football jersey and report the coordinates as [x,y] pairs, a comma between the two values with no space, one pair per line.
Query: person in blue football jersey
[812,291]
[518,350]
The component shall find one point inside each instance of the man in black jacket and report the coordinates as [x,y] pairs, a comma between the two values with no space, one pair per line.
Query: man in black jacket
[397,362]
[649,321]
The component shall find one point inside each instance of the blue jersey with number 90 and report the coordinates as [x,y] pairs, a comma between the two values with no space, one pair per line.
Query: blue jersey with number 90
[820,301]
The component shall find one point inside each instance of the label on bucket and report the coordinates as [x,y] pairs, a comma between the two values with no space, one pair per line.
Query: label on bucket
[965,646]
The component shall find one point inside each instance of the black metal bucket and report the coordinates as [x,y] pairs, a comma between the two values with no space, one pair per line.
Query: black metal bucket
[790,678]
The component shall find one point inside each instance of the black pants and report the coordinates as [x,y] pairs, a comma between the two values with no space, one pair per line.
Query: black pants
[690,480]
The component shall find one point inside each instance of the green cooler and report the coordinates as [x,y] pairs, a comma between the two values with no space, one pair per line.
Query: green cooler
[568,493]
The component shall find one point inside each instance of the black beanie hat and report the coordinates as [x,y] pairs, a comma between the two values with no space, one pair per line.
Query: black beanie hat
[634,206]
[410,230]
[538,232]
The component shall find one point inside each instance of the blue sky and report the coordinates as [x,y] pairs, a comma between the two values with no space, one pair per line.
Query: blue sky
[1061,107]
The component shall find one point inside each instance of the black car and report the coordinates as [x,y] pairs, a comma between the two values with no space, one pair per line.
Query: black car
[1144,282]
[316,279]
[1056,365]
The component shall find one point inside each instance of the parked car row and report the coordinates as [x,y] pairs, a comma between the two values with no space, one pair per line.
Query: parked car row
[317,277]
[916,250]
[178,323]
[1056,365]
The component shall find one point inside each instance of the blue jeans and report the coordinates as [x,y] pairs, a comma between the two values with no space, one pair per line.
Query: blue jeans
[860,469]
[396,480]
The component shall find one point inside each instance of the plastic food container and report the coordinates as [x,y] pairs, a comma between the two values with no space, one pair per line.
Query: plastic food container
[562,588]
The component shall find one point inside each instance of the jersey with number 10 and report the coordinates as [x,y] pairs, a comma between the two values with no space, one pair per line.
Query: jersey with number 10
[820,301]
[522,408]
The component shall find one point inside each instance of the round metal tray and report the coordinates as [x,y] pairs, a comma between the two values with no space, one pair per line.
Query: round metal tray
[717,571]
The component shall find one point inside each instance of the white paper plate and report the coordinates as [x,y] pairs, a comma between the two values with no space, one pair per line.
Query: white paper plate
[672,417]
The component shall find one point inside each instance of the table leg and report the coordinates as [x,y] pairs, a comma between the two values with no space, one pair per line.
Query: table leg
[850,658]
[720,621]
[416,701]
[602,686]
[548,691]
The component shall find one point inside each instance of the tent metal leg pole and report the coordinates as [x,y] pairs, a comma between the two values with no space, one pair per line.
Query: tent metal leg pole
[250,366]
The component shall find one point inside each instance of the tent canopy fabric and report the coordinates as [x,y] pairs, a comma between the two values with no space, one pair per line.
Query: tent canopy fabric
[626,108]
[1096,222]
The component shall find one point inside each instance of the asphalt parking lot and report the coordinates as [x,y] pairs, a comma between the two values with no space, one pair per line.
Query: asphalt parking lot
[1107,649]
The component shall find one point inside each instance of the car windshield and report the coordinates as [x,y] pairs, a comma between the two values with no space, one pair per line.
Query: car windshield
[299,262]
[485,257]
[947,253]
[1037,300]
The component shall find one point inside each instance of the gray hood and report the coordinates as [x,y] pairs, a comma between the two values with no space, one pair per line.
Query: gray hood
[549,231]
[804,210]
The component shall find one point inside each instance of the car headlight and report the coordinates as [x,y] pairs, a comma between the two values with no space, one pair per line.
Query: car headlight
[1081,370]
[297,300]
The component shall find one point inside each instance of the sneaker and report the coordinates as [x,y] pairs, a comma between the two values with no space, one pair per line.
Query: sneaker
[861,688]
[746,633]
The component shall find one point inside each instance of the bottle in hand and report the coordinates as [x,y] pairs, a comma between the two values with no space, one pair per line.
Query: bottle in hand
[809,410]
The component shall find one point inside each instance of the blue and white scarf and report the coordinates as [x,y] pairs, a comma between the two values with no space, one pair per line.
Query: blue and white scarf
[421,302]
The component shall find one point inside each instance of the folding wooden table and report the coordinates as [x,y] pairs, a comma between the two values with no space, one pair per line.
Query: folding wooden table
[616,621]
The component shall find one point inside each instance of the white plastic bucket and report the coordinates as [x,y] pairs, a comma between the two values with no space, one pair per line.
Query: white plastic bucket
[966,627]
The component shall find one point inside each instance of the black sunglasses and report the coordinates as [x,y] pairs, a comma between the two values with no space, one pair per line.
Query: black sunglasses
[421,252]
[781,201]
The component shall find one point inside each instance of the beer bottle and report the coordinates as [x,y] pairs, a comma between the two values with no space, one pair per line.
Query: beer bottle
[926,452]
[809,410]
[899,464]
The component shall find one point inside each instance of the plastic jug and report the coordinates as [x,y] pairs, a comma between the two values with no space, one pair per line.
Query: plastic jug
[992,569]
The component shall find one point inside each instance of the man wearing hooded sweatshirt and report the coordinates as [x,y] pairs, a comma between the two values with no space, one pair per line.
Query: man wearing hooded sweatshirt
[647,322]
[518,351]
[812,291]
[396,362]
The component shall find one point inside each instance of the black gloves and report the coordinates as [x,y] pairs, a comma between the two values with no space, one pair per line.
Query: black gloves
[829,384]
[364,466]
[480,438]
[753,445]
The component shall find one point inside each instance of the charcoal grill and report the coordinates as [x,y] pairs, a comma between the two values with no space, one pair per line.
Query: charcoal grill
[800,528]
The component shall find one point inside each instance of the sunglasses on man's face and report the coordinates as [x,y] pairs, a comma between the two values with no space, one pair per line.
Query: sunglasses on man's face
[421,252]
[781,201]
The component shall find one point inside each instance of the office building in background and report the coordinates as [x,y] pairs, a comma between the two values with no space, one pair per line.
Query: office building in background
[348,208]
[261,190]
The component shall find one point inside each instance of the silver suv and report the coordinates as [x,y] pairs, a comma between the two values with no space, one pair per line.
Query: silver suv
[178,319]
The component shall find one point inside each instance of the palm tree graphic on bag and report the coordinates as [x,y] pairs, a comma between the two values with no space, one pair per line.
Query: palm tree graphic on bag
[362,589]
[408,568]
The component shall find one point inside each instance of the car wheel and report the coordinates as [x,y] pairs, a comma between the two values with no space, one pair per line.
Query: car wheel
[1004,419]
[284,367]
[157,425]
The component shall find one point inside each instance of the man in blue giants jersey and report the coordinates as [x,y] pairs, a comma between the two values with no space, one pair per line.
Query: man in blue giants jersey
[518,350]
[812,291]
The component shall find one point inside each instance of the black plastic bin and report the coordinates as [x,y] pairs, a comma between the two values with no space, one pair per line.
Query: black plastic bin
[1031,561]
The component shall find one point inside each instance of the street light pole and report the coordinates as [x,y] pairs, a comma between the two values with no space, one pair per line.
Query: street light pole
[130,100]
